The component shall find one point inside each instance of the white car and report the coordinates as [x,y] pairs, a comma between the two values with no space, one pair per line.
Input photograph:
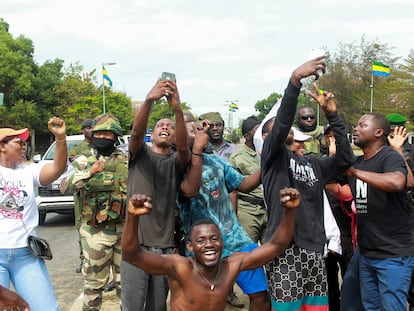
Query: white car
[49,199]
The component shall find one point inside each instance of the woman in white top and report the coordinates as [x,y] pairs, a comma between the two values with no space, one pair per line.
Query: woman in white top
[19,214]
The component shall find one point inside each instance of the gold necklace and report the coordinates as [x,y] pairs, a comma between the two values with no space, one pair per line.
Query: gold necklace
[212,285]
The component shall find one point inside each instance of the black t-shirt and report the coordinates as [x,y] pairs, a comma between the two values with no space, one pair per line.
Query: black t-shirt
[159,177]
[382,217]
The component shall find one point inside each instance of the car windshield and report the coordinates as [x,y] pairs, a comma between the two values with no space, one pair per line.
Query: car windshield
[50,154]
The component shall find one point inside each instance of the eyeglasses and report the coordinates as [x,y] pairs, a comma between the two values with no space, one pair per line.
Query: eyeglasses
[306,117]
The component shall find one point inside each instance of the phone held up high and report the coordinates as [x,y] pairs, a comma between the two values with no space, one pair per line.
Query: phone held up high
[167,75]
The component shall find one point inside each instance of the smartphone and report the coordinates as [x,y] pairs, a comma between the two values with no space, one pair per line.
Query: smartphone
[167,75]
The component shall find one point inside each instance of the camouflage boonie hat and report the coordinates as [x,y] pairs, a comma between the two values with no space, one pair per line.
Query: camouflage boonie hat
[107,122]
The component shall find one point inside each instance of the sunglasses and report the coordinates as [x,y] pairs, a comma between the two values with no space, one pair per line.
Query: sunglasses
[306,117]
[15,140]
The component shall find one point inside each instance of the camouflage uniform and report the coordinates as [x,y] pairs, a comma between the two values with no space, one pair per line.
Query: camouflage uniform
[77,150]
[103,200]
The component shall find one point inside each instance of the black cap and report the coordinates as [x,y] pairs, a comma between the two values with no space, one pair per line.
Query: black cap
[87,123]
[249,123]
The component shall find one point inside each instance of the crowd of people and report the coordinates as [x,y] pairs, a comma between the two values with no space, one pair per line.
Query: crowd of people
[280,217]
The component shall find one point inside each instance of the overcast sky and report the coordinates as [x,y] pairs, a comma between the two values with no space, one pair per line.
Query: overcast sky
[219,50]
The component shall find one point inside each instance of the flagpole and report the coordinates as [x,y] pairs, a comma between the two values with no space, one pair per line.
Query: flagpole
[103,86]
[103,90]
[372,91]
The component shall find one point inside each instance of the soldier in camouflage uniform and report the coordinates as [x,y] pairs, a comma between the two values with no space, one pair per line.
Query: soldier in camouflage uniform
[100,179]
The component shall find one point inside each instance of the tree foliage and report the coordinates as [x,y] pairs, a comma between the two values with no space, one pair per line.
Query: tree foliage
[160,109]
[34,93]
[264,106]
[349,77]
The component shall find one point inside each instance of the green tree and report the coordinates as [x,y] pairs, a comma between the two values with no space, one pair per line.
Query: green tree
[16,67]
[264,106]
[119,104]
[160,109]
[349,77]
[79,98]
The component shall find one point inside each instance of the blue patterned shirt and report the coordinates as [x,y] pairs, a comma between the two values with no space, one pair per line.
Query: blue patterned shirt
[213,202]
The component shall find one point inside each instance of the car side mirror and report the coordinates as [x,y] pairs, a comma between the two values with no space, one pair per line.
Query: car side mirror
[37,158]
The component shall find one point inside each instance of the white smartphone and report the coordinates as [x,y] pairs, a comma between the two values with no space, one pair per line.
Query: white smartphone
[316,52]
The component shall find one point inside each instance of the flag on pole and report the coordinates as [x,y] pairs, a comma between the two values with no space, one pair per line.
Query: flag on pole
[379,69]
[233,107]
[106,78]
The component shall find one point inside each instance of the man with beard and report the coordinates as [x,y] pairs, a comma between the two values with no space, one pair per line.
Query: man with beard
[306,122]
[100,183]
[378,180]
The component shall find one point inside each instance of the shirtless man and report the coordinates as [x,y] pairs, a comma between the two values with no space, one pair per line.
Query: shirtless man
[203,282]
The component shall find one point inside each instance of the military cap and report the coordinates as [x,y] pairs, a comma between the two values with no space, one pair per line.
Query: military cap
[107,122]
[212,116]
[396,119]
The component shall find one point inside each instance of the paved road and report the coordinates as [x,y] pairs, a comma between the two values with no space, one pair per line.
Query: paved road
[61,234]
[62,237]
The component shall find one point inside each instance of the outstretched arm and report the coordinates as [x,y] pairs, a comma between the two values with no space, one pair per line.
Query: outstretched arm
[182,141]
[10,300]
[343,156]
[139,127]
[191,183]
[132,252]
[275,141]
[290,199]
[310,68]
[52,171]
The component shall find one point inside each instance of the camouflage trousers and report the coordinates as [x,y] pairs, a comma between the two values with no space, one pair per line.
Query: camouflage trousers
[101,250]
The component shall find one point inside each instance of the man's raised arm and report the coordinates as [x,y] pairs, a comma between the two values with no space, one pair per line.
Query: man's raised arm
[181,140]
[139,126]
[132,252]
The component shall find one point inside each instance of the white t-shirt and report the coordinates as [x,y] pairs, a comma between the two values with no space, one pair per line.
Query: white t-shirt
[18,204]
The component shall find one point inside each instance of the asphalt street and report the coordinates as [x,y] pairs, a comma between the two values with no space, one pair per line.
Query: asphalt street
[62,236]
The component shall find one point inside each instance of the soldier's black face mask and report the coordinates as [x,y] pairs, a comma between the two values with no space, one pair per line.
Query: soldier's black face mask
[103,145]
